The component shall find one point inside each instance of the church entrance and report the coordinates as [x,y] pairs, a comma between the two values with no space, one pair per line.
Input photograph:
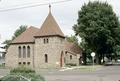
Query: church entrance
[62,59]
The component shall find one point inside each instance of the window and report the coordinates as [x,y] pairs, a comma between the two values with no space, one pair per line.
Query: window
[70,57]
[46,58]
[24,52]
[24,63]
[19,52]
[65,52]
[19,63]
[28,51]
[28,63]
[46,41]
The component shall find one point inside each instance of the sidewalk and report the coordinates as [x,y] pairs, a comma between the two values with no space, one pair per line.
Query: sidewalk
[82,68]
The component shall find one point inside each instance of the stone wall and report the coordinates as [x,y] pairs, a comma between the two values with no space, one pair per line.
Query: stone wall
[53,49]
[12,59]
[71,59]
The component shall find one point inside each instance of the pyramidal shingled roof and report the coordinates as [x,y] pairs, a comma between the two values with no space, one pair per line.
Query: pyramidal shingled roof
[27,36]
[49,28]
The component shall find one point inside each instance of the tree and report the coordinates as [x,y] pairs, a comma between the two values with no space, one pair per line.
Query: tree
[97,25]
[7,42]
[21,29]
[72,39]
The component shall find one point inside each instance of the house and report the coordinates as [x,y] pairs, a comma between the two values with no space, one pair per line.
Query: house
[2,53]
[43,48]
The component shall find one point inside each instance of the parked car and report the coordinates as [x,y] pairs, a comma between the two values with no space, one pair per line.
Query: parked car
[109,63]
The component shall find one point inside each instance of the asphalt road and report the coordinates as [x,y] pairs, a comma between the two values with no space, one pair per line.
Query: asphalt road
[108,73]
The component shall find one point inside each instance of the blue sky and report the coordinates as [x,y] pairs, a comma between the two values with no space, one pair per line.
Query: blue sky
[65,13]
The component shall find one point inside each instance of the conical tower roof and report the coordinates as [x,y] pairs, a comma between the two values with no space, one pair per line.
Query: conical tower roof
[49,27]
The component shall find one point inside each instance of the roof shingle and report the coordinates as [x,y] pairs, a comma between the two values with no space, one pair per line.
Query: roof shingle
[26,37]
[49,28]
[72,48]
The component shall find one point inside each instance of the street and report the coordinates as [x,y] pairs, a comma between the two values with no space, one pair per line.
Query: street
[106,73]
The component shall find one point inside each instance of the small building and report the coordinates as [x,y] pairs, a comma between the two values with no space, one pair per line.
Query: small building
[2,53]
[46,47]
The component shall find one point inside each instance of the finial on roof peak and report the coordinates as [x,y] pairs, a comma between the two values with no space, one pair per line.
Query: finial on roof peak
[49,7]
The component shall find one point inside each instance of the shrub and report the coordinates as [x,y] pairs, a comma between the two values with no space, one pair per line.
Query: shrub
[33,77]
[71,64]
[28,73]
[10,78]
[22,70]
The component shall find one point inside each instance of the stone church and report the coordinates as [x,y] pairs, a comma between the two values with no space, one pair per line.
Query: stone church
[46,47]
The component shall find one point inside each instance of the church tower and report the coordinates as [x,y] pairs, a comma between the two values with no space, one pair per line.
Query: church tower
[49,44]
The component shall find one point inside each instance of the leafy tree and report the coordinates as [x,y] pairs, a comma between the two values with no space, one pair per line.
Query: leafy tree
[21,29]
[98,27]
[7,42]
[72,39]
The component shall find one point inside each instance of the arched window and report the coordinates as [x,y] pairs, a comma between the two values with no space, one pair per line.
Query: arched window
[28,51]
[44,41]
[70,57]
[47,41]
[24,52]
[19,52]
[46,58]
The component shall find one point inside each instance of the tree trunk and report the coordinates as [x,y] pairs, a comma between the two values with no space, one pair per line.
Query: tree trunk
[98,58]
[84,58]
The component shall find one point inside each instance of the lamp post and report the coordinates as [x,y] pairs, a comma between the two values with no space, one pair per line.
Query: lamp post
[93,55]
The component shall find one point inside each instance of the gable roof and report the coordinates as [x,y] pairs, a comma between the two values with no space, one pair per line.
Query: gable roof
[49,28]
[72,48]
[26,37]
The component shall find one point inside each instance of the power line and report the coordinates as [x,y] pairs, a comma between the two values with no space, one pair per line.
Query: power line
[29,6]
[24,4]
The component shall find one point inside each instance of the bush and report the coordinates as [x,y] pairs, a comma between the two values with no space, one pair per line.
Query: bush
[10,78]
[22,70]
[33,77]
[71,64]
[28,73]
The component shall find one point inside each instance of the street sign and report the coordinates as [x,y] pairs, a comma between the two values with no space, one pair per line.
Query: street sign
[92,54]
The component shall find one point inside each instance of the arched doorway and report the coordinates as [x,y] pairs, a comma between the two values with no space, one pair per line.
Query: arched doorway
[62,59]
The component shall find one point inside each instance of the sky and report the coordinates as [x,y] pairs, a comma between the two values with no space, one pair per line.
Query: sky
[65,13]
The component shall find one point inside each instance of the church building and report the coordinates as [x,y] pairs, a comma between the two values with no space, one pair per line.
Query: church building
[46,47]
